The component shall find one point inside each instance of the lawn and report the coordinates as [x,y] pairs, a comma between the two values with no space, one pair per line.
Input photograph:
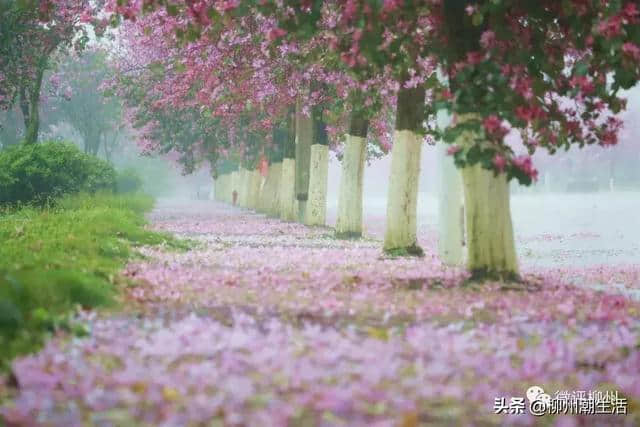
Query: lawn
[60,258]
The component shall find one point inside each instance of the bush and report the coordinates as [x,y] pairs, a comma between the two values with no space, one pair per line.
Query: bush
[128,181]
[41,172]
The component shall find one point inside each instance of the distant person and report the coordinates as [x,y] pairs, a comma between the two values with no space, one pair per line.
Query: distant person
[235,197]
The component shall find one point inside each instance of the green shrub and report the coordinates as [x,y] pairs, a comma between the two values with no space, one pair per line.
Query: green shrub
[128,181]
[42,172]
[55,258]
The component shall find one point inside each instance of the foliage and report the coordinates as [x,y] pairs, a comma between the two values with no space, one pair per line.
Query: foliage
[54,259]
[550,71]
[42,172]
[32,32]
[76,98]
[128,181]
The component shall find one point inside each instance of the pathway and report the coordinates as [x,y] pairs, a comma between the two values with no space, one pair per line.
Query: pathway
[270,323]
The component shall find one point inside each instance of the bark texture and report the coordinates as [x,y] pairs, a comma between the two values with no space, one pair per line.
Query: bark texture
[304,139]
[491,246]
[272,190]
[402,202]
[400,236]
[349,222]
[288,206]
[255,180]
[318,175]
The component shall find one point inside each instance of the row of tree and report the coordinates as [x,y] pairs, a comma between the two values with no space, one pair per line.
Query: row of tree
[230,82]
[550,71]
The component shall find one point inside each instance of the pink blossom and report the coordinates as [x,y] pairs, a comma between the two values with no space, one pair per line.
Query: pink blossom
[453,149]
[525,164]
[632,50]
[276,33]
[488,39]
[499,162]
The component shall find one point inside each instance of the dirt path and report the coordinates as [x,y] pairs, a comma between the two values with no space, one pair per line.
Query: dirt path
[270,323]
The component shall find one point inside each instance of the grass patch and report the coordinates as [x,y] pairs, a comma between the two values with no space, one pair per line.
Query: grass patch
[59,257]
[413,250]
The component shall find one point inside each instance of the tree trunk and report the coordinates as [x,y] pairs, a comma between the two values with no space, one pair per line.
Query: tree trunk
[263,194]
[450,206]
[318,176]
[270,190]
[32,118]
[273,193]
[304,139]
[255,179]
[491,247]
[349,222]
[95,147]
[217,186]
[402,203]
[316,212]
[288,207]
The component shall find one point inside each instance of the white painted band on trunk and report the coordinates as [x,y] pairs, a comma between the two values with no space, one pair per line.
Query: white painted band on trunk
[254,188]
[490,242]
[349,220]
[273,189]
[318,175]
[402,201]
[288,206]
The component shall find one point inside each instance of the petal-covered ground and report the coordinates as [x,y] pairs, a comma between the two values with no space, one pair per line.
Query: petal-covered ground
[270,323]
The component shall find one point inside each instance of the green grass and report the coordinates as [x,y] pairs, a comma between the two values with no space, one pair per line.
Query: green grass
[57,258]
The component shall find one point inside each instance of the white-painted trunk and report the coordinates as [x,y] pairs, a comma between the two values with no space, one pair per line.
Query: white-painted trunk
[255,179]
[288,205]
[264,190]
[245,182]
[490,243]
[451,204]
[273,189]
[318,175]
[302,210]
[349,222]
[402,202]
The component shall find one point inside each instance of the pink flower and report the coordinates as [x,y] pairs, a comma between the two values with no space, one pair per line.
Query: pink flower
[530,113]
[584,83]
[631,49]
[474,58]
[391,5]
[276,33]
[452,150]
[630,10]
[525,165]
[499,162]
[470,9]
[488,39]
[492,124]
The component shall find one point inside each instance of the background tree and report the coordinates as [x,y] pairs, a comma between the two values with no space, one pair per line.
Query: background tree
[32,32]
[79,101]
